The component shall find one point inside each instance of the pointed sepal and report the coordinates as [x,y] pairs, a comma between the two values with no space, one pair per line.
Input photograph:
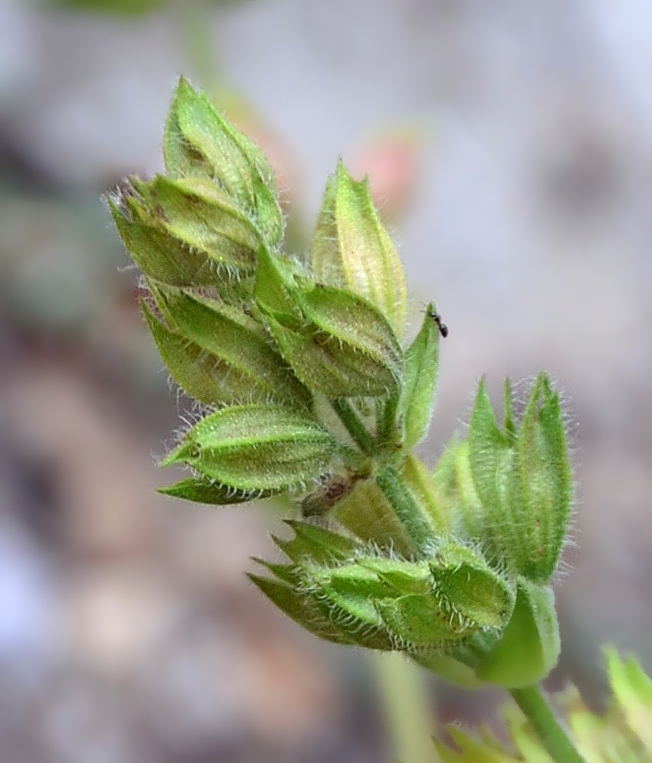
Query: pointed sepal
[300,608]
[417,399]
[213,493]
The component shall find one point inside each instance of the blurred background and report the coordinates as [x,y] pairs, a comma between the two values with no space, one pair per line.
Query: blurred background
[509,145]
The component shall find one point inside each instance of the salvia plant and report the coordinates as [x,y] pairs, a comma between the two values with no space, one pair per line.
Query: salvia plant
[308,388]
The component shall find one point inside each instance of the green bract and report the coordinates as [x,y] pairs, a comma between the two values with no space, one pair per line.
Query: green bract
[311,390]
[419,383]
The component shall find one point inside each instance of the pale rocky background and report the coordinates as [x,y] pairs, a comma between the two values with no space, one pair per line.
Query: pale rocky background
[127,629]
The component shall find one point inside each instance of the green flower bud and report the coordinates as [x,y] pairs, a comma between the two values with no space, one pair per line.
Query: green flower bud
[200,143]
[329,367]
[202,216]
[256,447]
[469,588]
[232,348]
[523,480]
[385,602]
[541,485]
[423,603]
[355,324]
[194,370]
[353,250]
[337,343]
[314,551]
[160,256]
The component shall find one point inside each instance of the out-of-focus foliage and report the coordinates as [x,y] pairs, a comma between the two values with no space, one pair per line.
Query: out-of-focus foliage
[119,7]
[622,734]
[129,7]
[48,279]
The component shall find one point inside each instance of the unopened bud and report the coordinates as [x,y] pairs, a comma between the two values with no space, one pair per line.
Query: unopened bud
[524,481]
[352,249]
[200,143]
[256,447]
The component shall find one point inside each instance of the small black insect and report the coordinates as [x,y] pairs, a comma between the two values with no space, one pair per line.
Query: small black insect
[443,328]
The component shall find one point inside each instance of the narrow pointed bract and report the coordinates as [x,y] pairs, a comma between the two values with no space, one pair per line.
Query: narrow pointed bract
[419,383]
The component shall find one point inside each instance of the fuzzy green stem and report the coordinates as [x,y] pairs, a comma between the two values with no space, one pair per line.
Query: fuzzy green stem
[387,420]
[353,425]
[407,707]
[552,734]
[355,461]
[405,507]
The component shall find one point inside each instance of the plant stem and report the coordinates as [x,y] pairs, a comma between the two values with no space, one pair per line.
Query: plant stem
[405,507]
[386,428]
[552,734]
[407,707]
[353,425]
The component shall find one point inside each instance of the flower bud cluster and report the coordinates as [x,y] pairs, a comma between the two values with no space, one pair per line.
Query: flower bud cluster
[309,389]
